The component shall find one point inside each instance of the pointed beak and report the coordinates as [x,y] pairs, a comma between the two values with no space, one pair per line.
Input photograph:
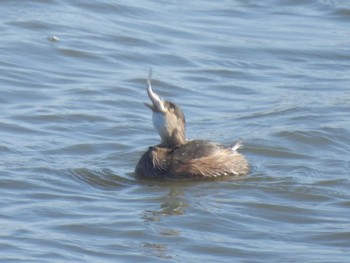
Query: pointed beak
[157,103]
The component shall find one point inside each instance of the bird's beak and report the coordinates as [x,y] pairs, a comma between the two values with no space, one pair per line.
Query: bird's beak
[157,103]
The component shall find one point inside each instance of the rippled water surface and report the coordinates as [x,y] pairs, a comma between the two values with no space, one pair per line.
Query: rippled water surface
[273,73]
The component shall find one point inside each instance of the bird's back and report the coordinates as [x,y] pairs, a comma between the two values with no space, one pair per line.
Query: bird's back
[197,158]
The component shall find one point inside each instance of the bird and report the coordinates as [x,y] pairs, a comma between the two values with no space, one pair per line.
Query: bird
[176,157]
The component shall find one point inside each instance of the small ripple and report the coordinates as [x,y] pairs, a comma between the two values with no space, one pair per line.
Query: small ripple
[32,24]
[75,53]
[273,112]
[128,10]
[103,179]
[15,184]
[333,237]
[12,128]
[343,13]
[339,8]
[327,139]
[4,150]
[307,137]
[273,151]
[67,118]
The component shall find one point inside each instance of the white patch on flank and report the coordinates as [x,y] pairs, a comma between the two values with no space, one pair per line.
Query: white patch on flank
[236,146]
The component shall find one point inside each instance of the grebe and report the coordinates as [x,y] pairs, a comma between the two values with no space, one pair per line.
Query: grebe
[177,157]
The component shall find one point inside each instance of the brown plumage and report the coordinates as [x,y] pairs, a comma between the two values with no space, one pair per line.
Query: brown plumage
[176,157]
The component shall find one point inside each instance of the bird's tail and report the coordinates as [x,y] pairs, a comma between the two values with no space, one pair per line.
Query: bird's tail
[236,146]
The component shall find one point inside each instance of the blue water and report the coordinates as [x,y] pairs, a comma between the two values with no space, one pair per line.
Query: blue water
[274,74]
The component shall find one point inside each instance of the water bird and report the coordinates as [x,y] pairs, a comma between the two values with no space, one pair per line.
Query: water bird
[177,157]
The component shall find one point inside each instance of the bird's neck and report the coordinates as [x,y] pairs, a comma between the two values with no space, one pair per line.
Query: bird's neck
[177,138]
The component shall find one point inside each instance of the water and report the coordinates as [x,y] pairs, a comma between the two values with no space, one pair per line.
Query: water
[275,74]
